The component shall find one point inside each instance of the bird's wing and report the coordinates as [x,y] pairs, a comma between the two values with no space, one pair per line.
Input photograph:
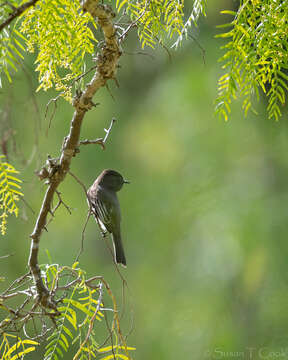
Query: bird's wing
[106,208]
[103,211]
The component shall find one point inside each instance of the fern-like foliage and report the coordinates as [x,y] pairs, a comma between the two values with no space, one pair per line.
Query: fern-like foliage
[60,32]
[11,43]
[9,193]
[62,35]
[79,326]
[81,308]
[157,19]
[256,57]
[12,347]
[198,9]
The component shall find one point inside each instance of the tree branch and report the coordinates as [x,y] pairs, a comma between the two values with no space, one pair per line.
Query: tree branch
[28,311]
[107,62]
[100,141]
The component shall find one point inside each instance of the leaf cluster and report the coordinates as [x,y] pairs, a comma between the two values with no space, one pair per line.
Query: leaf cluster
[11,43]
[9,192]
[60,31]
[62,35]
[13,348]
[157,19]
[256,56]
[83,299]
[80,308]
[76,327]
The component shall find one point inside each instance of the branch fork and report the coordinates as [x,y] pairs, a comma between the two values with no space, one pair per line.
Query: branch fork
[99,141]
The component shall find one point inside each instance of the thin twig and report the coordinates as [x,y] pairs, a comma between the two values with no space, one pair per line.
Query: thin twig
[87,218]
[83,236]
[98,141]
[54,100]
[134,23]
[16,282]
[82,75]
[110,92]
[91,324]
[62,202]
[167,51]
[6,256]
[53,211]
[37,115]
[200,47]
[110,333]
[79,181]
[28,206]
[139,53]
[108,130]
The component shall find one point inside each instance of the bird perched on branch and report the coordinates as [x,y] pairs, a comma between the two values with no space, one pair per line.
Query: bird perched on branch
[106,208]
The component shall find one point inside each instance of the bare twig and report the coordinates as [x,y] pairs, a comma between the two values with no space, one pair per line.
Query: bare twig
[167,51]
[100,141]
[83,236]
[6,256]
[16,282]
[54,101]
[87,218]
[27,204]
[110,336]
[52,212]
[139,53]
[82,75]
[200,47]
[62,202]
[79,181]
[110,92]
[108,130]
[36,113]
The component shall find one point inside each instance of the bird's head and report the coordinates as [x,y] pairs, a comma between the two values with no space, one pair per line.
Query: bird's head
[112,180]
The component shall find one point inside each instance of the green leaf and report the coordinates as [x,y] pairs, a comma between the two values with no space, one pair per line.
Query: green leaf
[67,331]
[229,12]
[22,353]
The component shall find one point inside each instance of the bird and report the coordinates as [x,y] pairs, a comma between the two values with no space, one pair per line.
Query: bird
[104,204]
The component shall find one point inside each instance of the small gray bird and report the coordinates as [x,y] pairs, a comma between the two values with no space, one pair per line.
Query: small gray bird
[106,208]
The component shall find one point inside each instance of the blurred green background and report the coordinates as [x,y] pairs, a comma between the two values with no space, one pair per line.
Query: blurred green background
[205,217]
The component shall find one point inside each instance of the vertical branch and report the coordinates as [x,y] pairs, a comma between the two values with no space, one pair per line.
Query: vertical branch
[106,69]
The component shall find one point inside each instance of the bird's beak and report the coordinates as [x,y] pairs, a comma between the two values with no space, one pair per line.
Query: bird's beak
[126,181]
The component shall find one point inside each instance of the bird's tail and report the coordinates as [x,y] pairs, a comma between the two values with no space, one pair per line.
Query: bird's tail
[118,249]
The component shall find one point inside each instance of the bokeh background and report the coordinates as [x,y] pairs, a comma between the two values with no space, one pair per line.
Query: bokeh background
[205,218]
